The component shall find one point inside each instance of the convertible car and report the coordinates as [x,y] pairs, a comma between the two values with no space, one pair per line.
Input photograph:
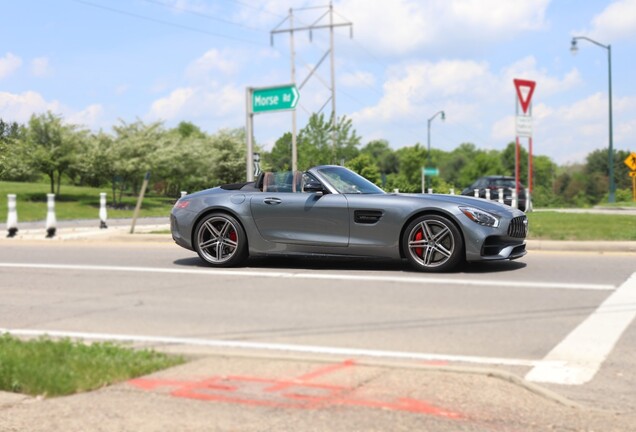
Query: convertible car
[332,211]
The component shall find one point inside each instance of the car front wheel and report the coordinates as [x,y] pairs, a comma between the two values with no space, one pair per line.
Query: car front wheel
[220,240]
[433,243]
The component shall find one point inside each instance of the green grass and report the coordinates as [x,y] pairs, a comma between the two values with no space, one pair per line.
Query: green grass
[74,202]
[581,226]
[57,368]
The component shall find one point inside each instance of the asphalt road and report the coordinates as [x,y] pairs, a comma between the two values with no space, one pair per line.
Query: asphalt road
[561,319]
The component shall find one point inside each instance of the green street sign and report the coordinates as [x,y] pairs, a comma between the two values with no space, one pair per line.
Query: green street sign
[430,171]
[277,98]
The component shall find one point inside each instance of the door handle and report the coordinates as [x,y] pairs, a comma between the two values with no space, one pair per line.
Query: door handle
[272,201]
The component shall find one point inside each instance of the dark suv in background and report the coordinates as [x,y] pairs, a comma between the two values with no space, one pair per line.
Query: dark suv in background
[494,183]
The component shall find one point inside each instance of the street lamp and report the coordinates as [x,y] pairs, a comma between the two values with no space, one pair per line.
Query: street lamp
[442,114]
[574,49]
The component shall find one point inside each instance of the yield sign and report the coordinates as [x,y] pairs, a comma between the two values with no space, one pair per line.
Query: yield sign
[525,101]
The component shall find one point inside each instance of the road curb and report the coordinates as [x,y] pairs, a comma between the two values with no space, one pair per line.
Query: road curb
[581,246]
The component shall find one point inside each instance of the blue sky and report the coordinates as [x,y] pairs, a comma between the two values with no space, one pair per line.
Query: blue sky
[97,61]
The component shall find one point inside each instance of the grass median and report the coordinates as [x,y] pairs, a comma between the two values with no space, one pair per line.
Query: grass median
[76,202]
[57,368]
[547,225]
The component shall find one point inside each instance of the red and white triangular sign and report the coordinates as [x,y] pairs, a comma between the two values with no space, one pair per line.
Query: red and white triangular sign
[524,96]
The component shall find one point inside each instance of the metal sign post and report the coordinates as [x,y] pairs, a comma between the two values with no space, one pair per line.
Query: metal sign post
[524,129]
[631,163]
[263,100]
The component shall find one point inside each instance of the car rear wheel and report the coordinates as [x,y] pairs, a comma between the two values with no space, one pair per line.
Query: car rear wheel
[433,243]
[220,240]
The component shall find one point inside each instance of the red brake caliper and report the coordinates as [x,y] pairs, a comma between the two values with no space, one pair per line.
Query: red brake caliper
[233,236]
[418,250]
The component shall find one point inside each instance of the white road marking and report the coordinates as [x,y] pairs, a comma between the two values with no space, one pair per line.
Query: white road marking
[577,359]
[304,349]
[423,280]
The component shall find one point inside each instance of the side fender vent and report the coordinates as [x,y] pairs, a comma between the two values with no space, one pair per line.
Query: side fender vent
[368,217]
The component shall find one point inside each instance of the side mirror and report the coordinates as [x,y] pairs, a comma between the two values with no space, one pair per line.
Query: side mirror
[314,187]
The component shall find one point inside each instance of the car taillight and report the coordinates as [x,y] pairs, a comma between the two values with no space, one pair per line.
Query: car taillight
[181,204]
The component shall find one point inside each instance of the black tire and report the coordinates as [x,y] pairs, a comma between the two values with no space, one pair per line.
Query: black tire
[433,243]
[220,240]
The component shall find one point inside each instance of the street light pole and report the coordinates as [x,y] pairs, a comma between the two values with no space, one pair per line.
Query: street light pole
[428,144]
[574,48]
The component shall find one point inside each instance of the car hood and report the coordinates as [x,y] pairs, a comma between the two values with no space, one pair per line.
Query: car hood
[462,200]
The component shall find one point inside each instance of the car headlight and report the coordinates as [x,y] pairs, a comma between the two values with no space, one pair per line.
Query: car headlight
[481,217]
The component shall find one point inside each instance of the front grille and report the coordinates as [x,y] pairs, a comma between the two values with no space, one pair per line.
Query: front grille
[518,227]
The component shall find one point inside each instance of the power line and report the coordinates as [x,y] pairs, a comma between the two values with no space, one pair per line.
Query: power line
[168,23]
[203,15]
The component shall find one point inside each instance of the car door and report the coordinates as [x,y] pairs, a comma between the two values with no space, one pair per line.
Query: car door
[301,218]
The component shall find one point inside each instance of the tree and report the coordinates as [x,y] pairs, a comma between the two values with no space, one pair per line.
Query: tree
[320,143]
[132,148]
[52,146]
[384,157]
[597,162]
[94,163]
[508,157]
[14,161]
[452,166]
[230,153]
[364,165]
[279,159]
[484,163]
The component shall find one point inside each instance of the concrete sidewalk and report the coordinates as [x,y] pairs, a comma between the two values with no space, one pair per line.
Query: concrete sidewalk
[251,393]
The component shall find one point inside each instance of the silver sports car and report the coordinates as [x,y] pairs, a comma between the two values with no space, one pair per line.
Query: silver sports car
[332,211]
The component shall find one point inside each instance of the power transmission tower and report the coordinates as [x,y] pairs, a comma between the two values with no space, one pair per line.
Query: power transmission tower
[316,25]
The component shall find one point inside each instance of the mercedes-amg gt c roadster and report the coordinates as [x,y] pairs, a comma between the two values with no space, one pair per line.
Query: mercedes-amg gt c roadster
[332,211]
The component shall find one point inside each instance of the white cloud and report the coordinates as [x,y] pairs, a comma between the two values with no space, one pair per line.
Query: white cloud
[9,64]
[20,107]
[89,117]
[495,17]
[210,63]
[357,79]
[617,21]
[568,133]
[40,67]
[200,103]
[122,89]
[547,85]
[423,87]
[404,26]
[170,107]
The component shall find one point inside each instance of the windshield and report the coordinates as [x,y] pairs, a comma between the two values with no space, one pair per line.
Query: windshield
[348,182]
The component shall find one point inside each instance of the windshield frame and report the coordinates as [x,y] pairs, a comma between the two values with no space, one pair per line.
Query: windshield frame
[344,181]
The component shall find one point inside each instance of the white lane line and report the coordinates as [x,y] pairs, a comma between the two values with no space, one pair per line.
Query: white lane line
[317,276]
[290,348]
[584,350]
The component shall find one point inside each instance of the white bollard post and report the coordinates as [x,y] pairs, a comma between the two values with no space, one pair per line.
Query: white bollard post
[50,216]
[513,204]
[488,194]
[500,195]
[12,217]
[430,190]
[103,215]
[183,193]
[451,191]
[476,193]
[396,190]
[528,201]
